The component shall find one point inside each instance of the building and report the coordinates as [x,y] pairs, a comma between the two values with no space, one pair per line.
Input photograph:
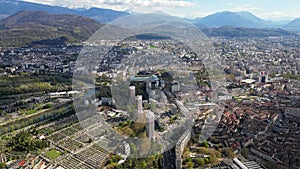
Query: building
[175,87]
[150,117]
[3,158]
[248,81]
[151,82]
[246,165]
[183,142]
[239,164]
[108,101]
[263,78]
[132,95]
[221,165]
[139,105]
[261,154]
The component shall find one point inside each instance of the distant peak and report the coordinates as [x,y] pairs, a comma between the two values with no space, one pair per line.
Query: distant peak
[225,12]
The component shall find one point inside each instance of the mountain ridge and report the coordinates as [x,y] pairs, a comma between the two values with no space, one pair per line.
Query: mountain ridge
[242,19]
[25,27]
[236,19]
[234,32]
[10,7]
[225,18]
[293,25]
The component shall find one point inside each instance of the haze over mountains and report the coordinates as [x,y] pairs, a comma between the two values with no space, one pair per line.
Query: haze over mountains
[220,19]
[293,25]
[25,23]
[234,19]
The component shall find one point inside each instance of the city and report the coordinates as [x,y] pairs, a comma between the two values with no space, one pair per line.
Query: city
[131,96]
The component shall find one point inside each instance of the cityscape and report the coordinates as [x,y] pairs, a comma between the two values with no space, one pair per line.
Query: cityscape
[101,88]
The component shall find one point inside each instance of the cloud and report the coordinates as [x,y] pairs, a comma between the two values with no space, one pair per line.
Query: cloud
[275,15]
[263,13]
[244,7]
[47,2]
[196,14]
[150,3]
[135,5]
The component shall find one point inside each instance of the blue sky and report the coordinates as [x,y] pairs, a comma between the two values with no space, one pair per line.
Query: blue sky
[267,9]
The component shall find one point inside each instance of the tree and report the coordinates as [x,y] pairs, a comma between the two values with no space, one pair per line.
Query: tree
[143,164]
[201,161]
[229,152]
[186,152]
[206,160]
[212,159]
[171,120]
[5,130]
[47,106]
[245,152]
[190,164]
[12,128]
[2,165]
[205,144]
[298,160]
[203,150]
[112,166]
[153,107]
[2,113]
[24,142]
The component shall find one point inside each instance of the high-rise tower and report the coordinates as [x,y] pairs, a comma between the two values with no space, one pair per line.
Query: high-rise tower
[132,95]
[139,105]
[263,78]
[150,117]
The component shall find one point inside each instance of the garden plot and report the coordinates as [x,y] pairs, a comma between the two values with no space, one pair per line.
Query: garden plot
[83,138]
[70,162]
[69,131]
[91,121]
[71,144]
[88,158]
[57,137]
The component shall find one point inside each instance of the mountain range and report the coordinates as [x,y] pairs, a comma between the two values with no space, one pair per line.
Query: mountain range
[38,27]
[293,25]
[10,7]
[216,20]
[25,23]
[241,19]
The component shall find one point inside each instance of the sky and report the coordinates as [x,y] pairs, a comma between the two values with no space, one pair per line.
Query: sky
[266,9]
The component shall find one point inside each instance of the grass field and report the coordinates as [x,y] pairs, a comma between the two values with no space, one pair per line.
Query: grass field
[53,154]
[31,111]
